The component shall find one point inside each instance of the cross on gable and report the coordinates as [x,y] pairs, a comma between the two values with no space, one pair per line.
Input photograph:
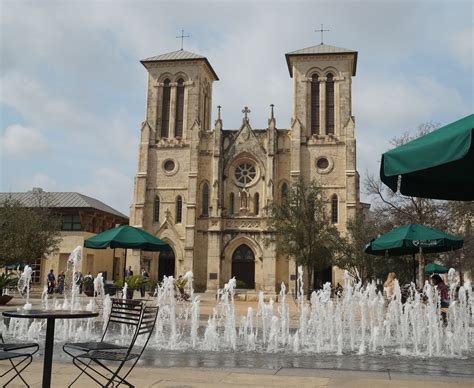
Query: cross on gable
[321,31]
[246,111]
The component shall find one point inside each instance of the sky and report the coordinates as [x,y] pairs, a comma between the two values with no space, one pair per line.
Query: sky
[72,89]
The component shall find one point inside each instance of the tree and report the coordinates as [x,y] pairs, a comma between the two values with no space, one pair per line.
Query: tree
[302,226]
[461,223]
[27,233]
[350,253]
[397,209]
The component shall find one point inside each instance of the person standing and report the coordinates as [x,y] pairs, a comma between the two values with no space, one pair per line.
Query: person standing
[145,277]
[61,278]
[51,282]
[128,272]
[388,286]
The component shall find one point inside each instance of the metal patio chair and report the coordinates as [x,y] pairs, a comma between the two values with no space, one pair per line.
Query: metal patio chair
[17,360]
[98,363]
[123,312]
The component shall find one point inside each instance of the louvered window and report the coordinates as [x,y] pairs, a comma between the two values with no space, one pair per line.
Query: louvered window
[284,192]
[334,217]
[179,209]
[178,130]
[165,111]
[204,120]
[231,203]
[315,130]
[330,105]
[156,210]
[205,199]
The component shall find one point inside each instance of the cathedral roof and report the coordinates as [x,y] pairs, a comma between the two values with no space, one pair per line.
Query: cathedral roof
[180,55]
[321,49]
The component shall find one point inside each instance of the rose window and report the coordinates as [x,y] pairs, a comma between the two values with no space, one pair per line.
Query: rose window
[245,173]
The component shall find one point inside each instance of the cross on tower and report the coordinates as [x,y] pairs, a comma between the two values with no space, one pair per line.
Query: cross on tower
[246,111]
[182,38]
[321,31]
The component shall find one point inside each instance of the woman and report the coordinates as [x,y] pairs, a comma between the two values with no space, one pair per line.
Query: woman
[443,293]
[388,286]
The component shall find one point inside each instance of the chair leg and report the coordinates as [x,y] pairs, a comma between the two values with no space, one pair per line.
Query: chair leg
[83,368]
[80,374]
[18,372]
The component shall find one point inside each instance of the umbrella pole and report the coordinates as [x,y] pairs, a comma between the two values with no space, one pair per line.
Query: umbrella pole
[421,269]
[124,265]
[414,269]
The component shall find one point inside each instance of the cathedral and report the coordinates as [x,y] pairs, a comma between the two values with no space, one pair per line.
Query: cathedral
[204,189]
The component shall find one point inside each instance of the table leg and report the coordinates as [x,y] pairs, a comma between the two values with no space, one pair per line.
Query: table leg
[48,353]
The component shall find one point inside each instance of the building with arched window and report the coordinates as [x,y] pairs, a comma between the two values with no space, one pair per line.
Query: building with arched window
[205,190]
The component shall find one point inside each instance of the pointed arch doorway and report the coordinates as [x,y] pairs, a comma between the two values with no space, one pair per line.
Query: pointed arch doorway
[243,266]
[166,264]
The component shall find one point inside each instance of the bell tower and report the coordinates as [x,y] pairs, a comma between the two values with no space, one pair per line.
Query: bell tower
[322,108]
[178,109]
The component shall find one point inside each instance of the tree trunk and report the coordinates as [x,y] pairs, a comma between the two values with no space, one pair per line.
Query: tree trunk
[310,280]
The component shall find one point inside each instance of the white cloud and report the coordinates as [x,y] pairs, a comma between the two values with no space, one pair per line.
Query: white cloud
[109,186]
[461,46]
[32,99]
[71,70]
[63,117]
[399,104]
[21,142]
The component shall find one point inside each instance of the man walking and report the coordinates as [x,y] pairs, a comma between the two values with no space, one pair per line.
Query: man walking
[51,282]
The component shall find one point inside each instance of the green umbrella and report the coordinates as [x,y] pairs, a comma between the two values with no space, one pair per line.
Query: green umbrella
[126,236]
[439,165]
[435,268]
[411,239]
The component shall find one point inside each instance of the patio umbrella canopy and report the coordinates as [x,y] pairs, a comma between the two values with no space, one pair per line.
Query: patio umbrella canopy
[412,239]
[439,165]
[408,239]
[435,268]
[126,236]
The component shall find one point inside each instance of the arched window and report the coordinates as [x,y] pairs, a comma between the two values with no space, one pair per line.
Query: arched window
[315,130]
[205,199]
[231,203]
[256,203]
[165,111]
[179,209]
[334,209]
[284,192]
[330,104]
[178,129]
[156,210]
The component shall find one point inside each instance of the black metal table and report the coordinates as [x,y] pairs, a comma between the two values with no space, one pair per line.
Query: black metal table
[50,316]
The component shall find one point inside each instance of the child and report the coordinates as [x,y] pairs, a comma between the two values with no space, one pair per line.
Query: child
[443,295]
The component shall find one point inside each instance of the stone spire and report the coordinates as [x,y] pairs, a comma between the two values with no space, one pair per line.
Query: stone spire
[271,120]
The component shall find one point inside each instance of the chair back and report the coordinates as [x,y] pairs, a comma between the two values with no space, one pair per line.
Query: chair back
[146,326]
[125,312]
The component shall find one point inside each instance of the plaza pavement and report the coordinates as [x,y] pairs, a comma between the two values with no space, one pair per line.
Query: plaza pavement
[64,373]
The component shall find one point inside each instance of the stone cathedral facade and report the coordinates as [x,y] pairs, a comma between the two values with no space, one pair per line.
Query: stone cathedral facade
[203,188]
